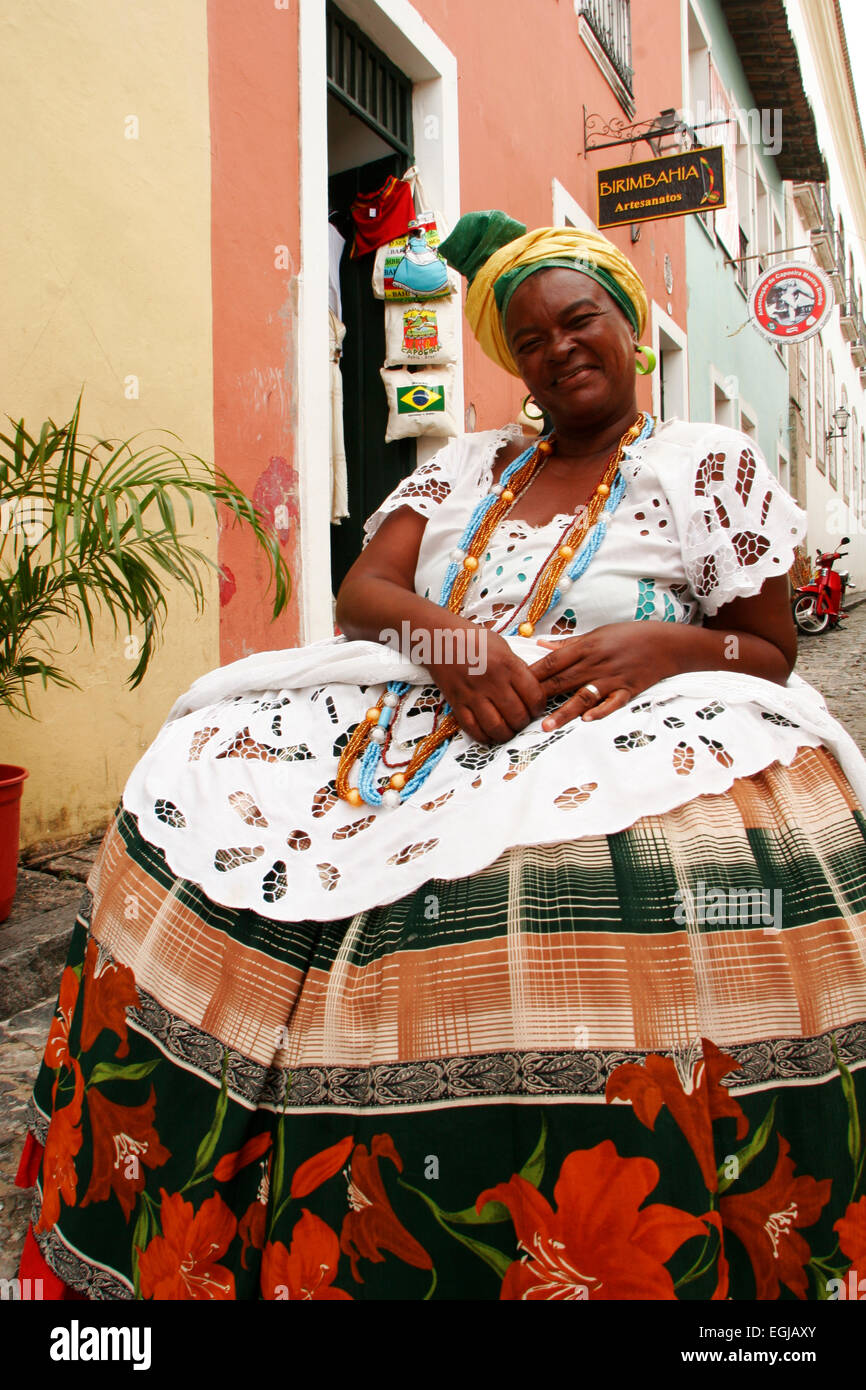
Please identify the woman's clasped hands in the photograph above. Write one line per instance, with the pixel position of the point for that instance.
(600, 672)
(603, 670)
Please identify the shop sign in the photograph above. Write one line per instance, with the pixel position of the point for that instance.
(667, 187)
(791, 302)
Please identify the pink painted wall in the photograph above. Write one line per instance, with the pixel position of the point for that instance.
(524, 77)
(254, 212)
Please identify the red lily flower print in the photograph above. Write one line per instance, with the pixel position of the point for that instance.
(109, 990)
(124, 1144)
(57, 1052)
(231, 1164)
(320, 1168)
(766, 1222)
(62, 1143)
(852, 1238)
(371, 1225)
(693, 1106)
(252, 1227)
(598, 1243)
(182, 1263)
(308, 1270)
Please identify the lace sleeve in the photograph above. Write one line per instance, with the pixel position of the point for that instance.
(741, 527)
(422, 490)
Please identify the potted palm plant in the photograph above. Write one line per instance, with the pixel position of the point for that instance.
(90, 526)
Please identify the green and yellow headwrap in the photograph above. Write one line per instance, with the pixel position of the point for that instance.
(496, 254)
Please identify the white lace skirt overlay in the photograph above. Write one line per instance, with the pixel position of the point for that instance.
(238, 787)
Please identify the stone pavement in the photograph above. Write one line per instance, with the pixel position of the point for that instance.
(835, 663)
(22, 1040)
(34, 941)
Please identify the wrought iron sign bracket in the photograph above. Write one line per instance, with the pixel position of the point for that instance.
(652, 130)
(765, 255)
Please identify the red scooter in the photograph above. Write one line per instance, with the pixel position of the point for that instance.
(818, 604)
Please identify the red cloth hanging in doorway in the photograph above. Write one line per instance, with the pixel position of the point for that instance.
(381, 216)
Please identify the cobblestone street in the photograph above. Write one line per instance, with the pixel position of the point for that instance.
(835, 663)
(33, 945)
(22, 1040)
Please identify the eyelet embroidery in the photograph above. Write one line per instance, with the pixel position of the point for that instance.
(247, 809)
(199, 739)
(743, 525)
(226, 859)
(411, 852)
(274, 883)
(572, 797)
(683, 759)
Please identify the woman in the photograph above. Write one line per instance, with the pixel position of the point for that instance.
(523, 967)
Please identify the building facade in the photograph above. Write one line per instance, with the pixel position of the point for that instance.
(737, 377)
(828, 373)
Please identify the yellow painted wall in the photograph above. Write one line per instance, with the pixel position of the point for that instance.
(105, 264)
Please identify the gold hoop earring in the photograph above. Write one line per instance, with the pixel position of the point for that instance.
(644, 369)
(526, 400)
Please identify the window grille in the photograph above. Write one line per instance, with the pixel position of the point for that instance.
(367, 82)
(610, 21)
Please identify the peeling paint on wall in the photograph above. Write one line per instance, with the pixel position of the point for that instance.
(276, 494)
(228, 586)
(264, 391)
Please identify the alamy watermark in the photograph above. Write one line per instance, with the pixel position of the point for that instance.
(851, 1287)
(725, 907)
(28, 517)
(439, 646)
(21, 1290)
(77, 1343)
(763, 125)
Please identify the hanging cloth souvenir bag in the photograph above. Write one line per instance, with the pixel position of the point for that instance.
(409, 267)
(421, 333)
(420, 402)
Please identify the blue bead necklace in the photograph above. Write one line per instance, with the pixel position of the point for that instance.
(395, 690)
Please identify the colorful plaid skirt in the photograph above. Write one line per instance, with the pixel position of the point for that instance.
(623, 1067)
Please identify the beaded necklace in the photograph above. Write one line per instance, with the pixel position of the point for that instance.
(567, 561)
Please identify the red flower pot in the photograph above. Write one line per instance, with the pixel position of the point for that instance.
(11, 783)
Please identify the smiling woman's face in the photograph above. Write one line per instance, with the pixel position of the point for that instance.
(573, 346)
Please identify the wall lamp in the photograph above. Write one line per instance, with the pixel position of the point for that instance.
(841, 416)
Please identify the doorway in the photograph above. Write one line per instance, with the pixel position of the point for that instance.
(369, 110)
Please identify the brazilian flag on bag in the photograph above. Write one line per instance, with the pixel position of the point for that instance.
(420, 400)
